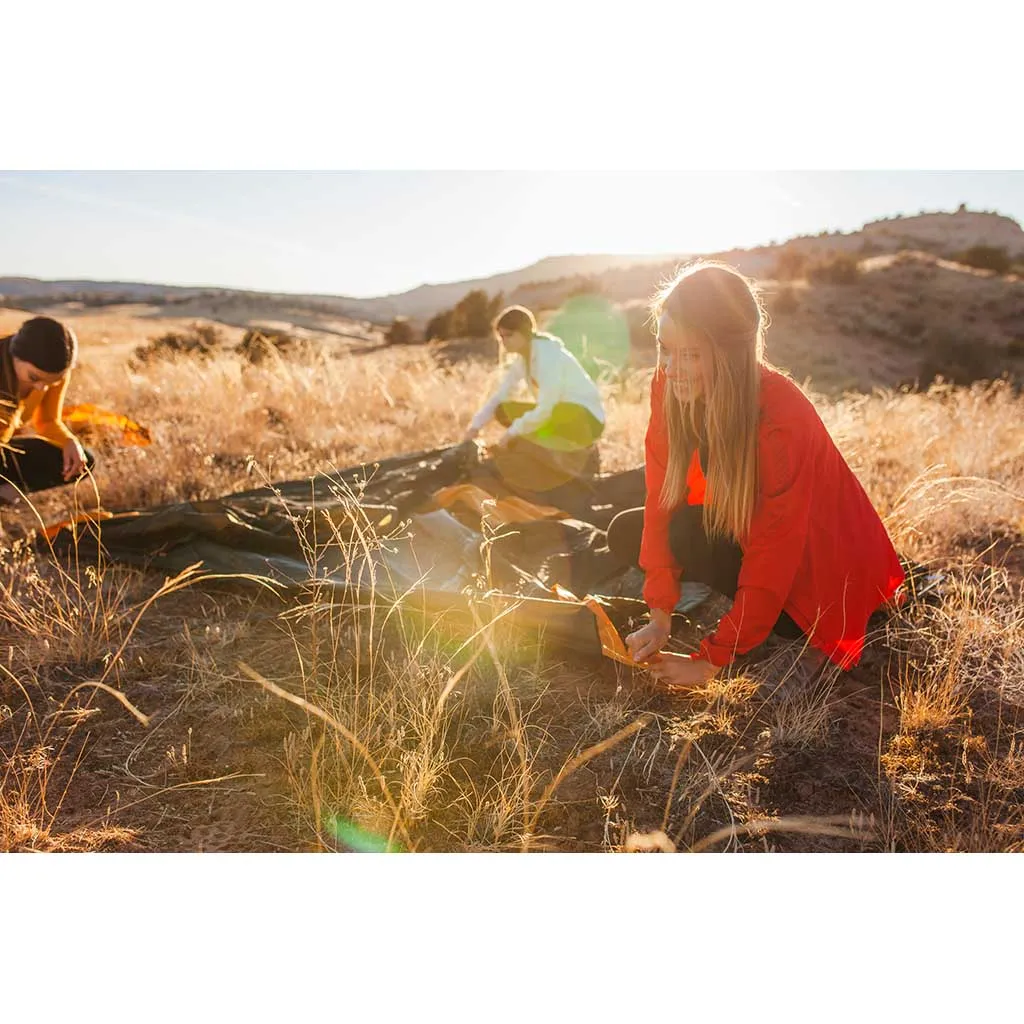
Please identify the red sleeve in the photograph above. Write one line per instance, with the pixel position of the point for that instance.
(661, 582)
(774, 548)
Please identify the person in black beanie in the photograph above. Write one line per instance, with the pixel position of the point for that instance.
(37, 450)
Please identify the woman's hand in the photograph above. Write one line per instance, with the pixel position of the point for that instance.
(499, 446)
(74, 459)
(682, 671)
(647, 641)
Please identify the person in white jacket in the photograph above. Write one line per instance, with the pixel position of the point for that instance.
(553, 440)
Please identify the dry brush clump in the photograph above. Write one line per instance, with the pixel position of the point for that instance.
(198, 341)
(834, 268)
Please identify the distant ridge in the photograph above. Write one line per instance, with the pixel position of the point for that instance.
(939, 232)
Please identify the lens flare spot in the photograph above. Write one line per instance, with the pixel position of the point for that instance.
(595, 331)
(357, 839)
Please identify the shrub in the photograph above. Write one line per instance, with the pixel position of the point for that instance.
(789, 265)
(257, 344)
(400, 332)
(913, 326)
(439, 327)
(471, 317)
(785, 301)
(958, 361)
(585, 286)
(986, 257)
(199, 340)
(641, 329)
(835, 268)
(474, 313)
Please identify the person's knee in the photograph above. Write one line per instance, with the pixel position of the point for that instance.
(625, 533)
(508, 412)
(786, 629)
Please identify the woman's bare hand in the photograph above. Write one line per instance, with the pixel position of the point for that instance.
(647, 641)
(681, 671)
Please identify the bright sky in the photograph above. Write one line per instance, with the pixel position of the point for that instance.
(368, 233)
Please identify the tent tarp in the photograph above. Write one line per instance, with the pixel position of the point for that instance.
(375, 533)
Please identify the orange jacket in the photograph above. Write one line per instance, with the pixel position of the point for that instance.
(42, 409)
(816, 547)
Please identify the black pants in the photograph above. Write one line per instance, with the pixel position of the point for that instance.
(32, 464)
(714, 562)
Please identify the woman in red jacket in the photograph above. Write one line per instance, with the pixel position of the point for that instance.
(746, 492)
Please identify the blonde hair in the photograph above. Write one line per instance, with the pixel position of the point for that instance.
(724, 312)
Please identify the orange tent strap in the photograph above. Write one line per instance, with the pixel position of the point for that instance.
(502, 510)
(94, 516)
(612, 644)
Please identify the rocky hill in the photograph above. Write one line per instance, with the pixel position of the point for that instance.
(622, 278)
(879, 306)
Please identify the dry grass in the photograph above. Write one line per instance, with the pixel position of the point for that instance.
(383, 728)
(68, 631)
(942, 465)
